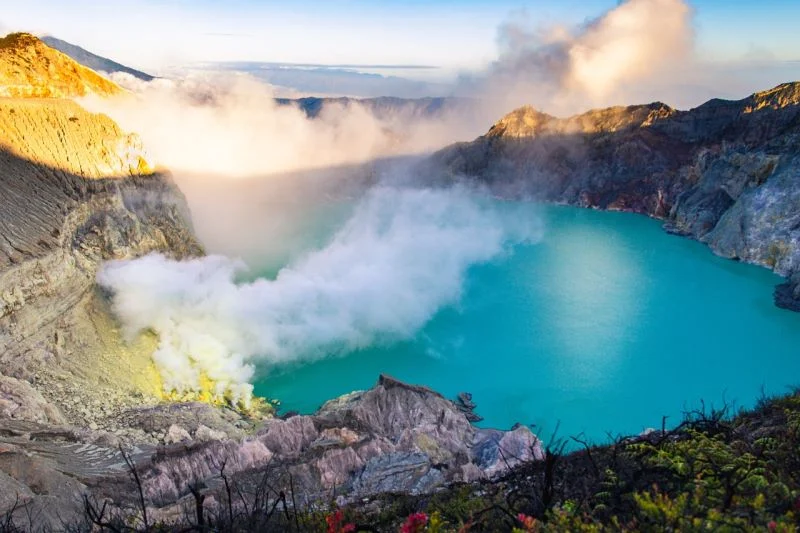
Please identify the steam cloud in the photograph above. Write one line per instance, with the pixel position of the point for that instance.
(603, 62)
(400, 258)
(232, 126)
(404, 253)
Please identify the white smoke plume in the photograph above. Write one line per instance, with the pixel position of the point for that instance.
(399, 259)
(605, 61)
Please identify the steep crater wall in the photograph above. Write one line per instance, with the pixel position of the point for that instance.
(76, 190)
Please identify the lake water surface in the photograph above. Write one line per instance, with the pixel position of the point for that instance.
(604, 326)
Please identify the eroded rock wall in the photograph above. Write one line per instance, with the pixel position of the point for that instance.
(74, 191)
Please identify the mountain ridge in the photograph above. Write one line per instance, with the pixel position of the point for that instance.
(93, 61)
(527, 121)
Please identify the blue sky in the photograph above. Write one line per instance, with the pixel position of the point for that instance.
(453, 34)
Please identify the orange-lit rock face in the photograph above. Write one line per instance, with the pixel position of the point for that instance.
(62, 135)
(31, 69)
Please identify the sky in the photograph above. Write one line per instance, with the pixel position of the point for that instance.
(153, 34)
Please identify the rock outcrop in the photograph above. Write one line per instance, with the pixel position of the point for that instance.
(726, 173)
(394, 437)
(76, 191)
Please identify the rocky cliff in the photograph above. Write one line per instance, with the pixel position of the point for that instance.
(74, 190)
(393, 438)
(726, 173)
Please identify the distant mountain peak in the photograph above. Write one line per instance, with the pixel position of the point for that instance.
(93, 61)
(526, 121)
(784, 95)
(31, 69)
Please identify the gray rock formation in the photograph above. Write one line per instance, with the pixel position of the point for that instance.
(75, 190)
(725, 173)
(392, 438)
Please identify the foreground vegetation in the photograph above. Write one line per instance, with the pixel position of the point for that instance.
(716, 471)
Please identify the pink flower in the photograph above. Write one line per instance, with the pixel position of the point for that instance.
(414, 523)
(772, 525)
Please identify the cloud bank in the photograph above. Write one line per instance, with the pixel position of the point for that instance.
(230, 125)
(602, 62)
(397, 261)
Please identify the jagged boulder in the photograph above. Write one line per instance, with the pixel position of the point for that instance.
(20, 401)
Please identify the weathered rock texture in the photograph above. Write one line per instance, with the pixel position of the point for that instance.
(726, 173)
(30, 68)
(392, 438)
(74, 191)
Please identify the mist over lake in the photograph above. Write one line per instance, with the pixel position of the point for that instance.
(602, 327)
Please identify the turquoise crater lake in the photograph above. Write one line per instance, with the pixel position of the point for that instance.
(604, 326)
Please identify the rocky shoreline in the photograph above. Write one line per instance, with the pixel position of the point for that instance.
(724, 173)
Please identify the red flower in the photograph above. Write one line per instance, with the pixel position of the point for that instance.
(335, 525)
(772, 525)
(528, 522)
(414, 523)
